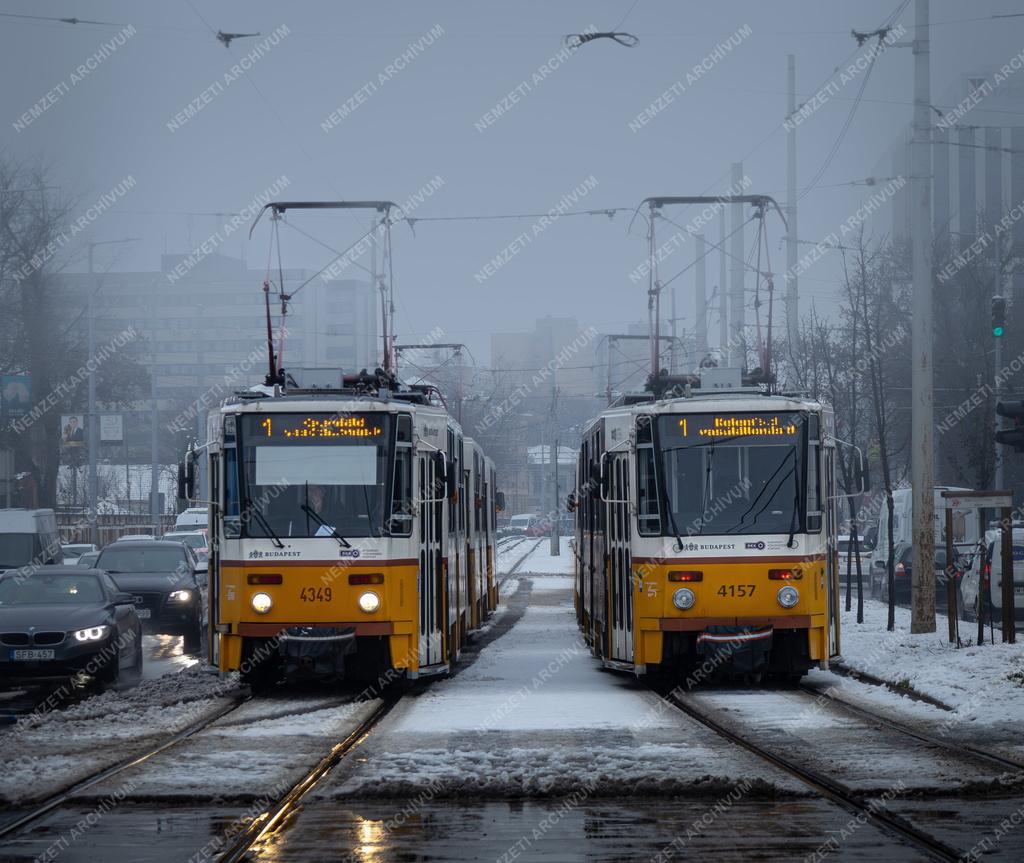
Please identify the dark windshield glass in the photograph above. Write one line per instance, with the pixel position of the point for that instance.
(16, 549)
(733, 473)
(51, 588)
(128, 559)
(192, 540)
(297, 467)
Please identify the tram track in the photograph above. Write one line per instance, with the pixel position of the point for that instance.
(980, 754)
(55, 801)
(288, 804)
(837, 792)
(515, 567)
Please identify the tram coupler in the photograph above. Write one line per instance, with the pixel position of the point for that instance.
(315, 652)
(738, 649)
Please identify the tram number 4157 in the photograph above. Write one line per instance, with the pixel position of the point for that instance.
(736, 590)
(315, 594)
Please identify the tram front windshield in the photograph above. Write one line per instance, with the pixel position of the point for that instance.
(315, 475)
(734, 473)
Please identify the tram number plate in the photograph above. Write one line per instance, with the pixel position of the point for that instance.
(736, 590)
(315, 594)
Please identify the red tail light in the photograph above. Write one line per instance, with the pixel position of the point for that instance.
(687, 575)
(785, 574)
(265, 578)
(901, 569)
(367, 578)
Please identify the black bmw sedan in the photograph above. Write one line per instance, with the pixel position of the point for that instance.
(61, 621)
(166, 581)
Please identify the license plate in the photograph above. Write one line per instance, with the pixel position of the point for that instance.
(31, 655)
(143, 613)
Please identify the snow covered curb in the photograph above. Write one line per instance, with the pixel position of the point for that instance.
(51, 751)
(983, 682)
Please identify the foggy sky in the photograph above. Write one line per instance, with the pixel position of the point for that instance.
(420, 124)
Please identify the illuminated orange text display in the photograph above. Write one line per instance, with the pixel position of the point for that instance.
(350, 426)
(738, 426)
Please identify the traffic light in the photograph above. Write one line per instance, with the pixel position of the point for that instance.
(1012, 436)
(998, 316)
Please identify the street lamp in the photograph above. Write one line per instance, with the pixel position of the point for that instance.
(92, 418)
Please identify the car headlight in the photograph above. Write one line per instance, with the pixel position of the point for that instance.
(684, 598)
(788, 596)
(369, 602)
(261, 603)
(93, 633)
(181, 596)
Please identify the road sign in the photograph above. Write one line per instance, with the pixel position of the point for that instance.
(111, 428)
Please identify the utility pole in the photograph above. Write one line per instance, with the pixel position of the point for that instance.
(723, 306)
(922, 384)
(672, 355)
(702, 299)
(998, 360)
(555, 539)
(92, 420)
(737, 300)
(792, 288)
(154, 449)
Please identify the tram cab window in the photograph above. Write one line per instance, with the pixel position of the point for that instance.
(733, 474)
(400, 523)
(648, 503)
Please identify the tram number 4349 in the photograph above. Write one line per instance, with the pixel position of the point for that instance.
(736, 590)
(315, 594)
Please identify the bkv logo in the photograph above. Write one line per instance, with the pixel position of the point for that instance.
(348, 552)
(757, 546)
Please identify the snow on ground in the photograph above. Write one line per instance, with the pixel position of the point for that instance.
(982, 683)
(48, 751)
(509, 554)
(534, 715)
(266, 744)
(542, 561)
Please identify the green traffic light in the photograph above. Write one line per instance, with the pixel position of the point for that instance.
(997, 331)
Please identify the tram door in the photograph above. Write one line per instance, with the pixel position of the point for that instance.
(431, 570)
(619, 565)
(831, 550)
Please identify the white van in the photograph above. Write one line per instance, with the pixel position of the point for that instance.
(971, 584)
(966, 533)
(193, 518)
(27, 537)
(522, 523)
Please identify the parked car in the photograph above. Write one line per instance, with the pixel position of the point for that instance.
(991, 568)
(192, 518)
(73, 551)
(88, 559)
(194, 539)
(844, 547)
(523, 522)
(61, 621)
(27, 537)
(903, 565)
(167, 583)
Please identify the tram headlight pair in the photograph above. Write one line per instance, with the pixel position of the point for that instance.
(684, 598)
(788, 596)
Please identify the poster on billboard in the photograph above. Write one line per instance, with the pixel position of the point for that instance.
(15, 395)
(72, 430)
(111, 428)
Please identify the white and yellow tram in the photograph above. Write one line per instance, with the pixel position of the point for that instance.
(705, 535)
(353, 535)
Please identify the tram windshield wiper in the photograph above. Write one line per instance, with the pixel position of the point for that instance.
(249, 508)
(312, 513)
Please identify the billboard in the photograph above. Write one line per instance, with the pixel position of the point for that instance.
(111, 428)
(15, 395)
(72, 430)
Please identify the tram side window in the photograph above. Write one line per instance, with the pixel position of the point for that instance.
(813, 493)
(400, 523)
(232, 522)
(648, 505)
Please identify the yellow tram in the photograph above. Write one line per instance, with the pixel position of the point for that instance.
(705, 535)
(353, 533)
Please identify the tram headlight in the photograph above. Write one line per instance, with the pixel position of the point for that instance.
(261, 603)
(684, 598)
(369, 602)
(788, 596)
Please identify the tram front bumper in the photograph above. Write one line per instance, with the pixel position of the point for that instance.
(315, 652)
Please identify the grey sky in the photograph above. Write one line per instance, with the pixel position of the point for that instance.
(420, 124)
